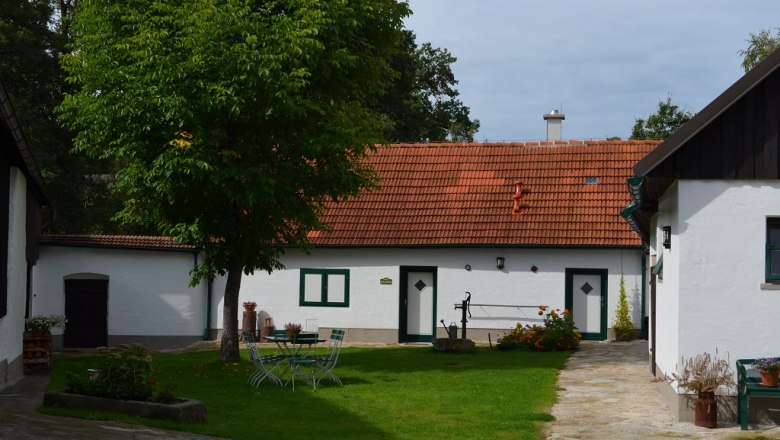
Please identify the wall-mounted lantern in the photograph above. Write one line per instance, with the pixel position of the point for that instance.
(667, 236)
(500, 263)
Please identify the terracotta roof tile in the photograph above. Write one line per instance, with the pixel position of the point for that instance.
(455, 194)
(115, 241)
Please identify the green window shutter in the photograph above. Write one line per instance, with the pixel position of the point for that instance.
(773, 249)
(324, 288)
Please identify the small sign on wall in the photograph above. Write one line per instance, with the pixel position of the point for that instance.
(386, 281)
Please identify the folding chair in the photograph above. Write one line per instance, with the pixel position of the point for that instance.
(323, 366)
(313, 368)
(265, 365)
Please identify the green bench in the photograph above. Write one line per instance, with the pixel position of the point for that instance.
(749, 385)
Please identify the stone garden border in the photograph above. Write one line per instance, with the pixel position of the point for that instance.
(186, 410)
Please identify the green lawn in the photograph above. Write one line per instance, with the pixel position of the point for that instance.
(388, 393)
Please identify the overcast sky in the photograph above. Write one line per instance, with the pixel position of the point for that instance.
(604, 63)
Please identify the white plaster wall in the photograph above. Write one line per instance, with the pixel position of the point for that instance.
(722, 237)
(148, 291)
(667, 298)
(375, 306)
(12, 325)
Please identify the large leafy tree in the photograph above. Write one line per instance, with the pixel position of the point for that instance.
(760, 45)
(661, 124)
(235, 120)
(423, 103)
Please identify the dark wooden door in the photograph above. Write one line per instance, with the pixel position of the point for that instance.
(86, 307)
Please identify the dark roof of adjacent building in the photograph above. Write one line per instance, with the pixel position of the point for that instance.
(463, 194)
(734, 137)
(116, 242)
(20, 154)
(756, 91)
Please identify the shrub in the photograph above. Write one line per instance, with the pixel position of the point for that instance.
(557, 334)
(623, 327)
(124, 373)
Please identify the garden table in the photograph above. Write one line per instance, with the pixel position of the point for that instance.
(293, 351)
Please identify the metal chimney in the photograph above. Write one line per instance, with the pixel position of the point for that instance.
(554, 125)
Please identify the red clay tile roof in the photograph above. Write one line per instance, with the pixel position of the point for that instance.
(115, 241)
(462, 195)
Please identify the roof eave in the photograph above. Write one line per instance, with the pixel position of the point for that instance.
(12, 124)
(708, 114)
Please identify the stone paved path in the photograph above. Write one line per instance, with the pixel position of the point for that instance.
(607, 392)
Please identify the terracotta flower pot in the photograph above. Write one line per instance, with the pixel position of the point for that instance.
(769, 377)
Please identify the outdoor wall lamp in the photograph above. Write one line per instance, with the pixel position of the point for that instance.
(667, 236)
(500, 263)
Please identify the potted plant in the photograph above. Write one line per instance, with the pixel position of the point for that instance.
(292, 329)
(770, 370)
(40, 326)
(623, 327)
(249, 306)
(703, 375)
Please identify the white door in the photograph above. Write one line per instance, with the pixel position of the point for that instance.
(586, 292)
(419, 310)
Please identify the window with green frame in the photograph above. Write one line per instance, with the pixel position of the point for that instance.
(324, 287)
(773, 249)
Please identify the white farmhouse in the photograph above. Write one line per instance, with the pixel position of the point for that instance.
(707, 201)
(515, 225)
(22, 194)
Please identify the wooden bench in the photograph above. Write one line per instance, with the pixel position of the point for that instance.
(749, 385)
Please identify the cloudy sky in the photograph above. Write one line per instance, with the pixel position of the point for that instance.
(604, 63)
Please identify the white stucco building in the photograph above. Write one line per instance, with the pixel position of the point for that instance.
(707, 201)
(22, 194)
(516, 225)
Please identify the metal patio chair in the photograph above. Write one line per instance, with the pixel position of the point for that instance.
(265, 365)
(313, 368)
(323, 366)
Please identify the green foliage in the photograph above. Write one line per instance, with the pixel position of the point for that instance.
(760, 45)
(623, 326)
(235, 121)
(380, 399)
(123, 372)
(41, 322)
(662, 124)
(557, 333)
(423, 104)
(33, 35)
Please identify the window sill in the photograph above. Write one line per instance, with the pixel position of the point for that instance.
(770, 286)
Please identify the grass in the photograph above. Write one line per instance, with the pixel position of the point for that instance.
(388, 393)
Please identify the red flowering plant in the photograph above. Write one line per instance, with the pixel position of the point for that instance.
(557, 333)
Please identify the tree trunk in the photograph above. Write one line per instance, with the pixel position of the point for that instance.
(229, 344)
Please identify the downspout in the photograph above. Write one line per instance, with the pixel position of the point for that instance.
(645, 328)
(206, 329)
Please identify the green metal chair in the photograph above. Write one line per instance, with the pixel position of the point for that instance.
(323, 366)
(265, 365)
(313, 368)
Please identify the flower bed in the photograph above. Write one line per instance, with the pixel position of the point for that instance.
(184, 410)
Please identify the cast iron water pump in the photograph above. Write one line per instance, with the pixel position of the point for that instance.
(465, 307)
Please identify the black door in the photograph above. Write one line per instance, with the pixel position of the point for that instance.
(86, 307)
